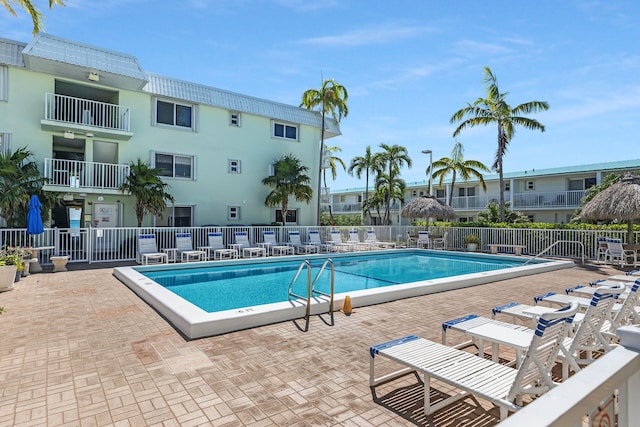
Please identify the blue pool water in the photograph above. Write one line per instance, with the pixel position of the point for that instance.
(226, 287)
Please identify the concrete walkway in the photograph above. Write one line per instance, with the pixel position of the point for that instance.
(78, 348)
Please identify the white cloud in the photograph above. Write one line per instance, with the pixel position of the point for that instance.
(367, 36)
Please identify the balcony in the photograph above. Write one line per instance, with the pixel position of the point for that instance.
(84, 116)
(347, 208)
(75, 176)
(551, 200)
(548, 200)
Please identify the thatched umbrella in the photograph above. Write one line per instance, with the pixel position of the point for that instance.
(427, 207)
(621, 202)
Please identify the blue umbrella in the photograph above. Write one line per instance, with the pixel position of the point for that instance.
(34, 219)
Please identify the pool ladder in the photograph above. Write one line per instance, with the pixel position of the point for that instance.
(311, 290)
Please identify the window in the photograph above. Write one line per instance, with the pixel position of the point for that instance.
(530, 185)
(440, 194)
(466, 191)
(4, 83)
(292, 216)
(174, 166)
(5, 142)
(234, 166)
(575, 184)
(233, 213)
(589, 182)
(421, 193)
(414, 193)
(507, 185)
(359, 198)
(234, 119)
(173, 114)
(176, 216)
(281, 130)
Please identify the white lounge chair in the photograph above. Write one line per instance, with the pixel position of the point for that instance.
(423, 240)
(501, 385)
(216, 248)
(336, 241)
(441, 242)
(184, 249)
(296, 242)
(602, 249)
(589, 336)
(314, 239)
(148, 250)
(594, 333)
(354, 241)
(372, 239)
(616, 254)
(245, 248)
(273, 246)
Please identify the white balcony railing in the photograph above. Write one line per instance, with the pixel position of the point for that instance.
(89, 175)
(520, 201)
(79, 111)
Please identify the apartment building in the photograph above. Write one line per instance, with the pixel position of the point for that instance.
(544, 195)
(87, 112)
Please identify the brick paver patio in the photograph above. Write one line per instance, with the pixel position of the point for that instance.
(80, 349)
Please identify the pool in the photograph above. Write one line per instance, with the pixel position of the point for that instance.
(209, 298)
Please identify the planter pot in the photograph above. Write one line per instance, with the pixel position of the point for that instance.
(472, 247)
(7, 277)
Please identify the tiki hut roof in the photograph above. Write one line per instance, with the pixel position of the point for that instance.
(620, 201)
(427, 207)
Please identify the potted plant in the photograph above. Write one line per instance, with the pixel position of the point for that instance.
(24, 254)
(472, 241)
(8, 270)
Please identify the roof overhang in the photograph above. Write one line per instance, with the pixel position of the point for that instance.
(77, 61)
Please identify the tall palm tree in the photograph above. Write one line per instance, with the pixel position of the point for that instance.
(19, 179)
(391, 159)
(367, 164)
(150, 191)
(36, 16)
(456, 164)
(390, 189)
(331, 163)
(289, 180)
(494, 110)
(331, 98)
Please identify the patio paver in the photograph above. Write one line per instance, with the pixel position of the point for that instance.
(79, 348)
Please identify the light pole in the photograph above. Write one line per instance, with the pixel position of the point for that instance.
(430, 153)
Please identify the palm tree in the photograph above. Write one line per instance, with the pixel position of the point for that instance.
(333, 163)
(332, 99)
(150, 191)
(289, 179)
(367, 164)
(457, 165)
(19, 179)
(390, 189)
(391, 159)
(28, 5)
(494, 109)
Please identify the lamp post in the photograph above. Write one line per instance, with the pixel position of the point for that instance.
(430, 153)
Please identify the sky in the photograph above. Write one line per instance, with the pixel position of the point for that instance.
(408, 66)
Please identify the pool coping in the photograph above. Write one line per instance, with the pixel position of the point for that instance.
(193, 322)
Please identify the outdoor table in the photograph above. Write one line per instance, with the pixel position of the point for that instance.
(265, 246)
(496, 335)
(171, 254)
(225, 253)
(34, 266)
